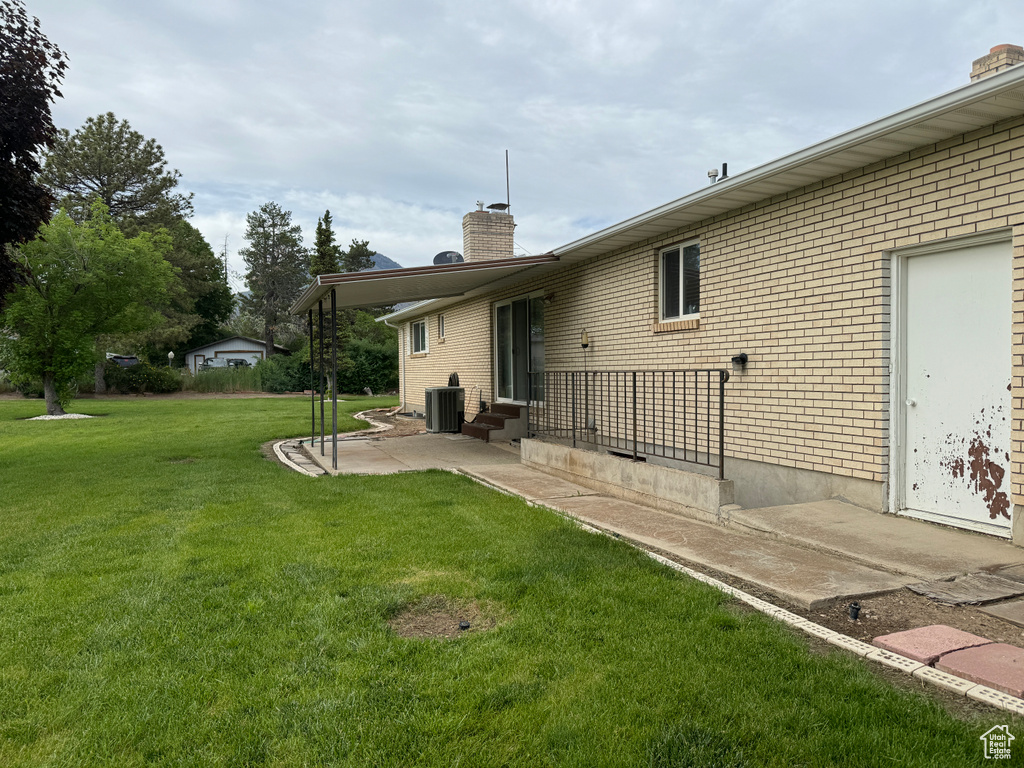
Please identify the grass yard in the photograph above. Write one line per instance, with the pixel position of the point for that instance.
(170, 597)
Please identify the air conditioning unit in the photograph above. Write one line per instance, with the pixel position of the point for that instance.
(446, 408)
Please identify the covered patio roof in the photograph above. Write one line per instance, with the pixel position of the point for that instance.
(393, 286)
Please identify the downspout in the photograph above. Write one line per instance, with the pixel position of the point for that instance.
(401, 359)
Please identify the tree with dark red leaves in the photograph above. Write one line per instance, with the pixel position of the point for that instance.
(31, 69)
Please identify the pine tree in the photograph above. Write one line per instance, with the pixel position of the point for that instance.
(105, 158)
(278, 267)
(358, 257)
(326, 256)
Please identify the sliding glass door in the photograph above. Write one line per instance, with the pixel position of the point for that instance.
(518, 347)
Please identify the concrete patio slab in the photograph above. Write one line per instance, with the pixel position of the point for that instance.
(928, 644)
(532, 486)
(889, 542)
(996, 665)
(1012, 611)
(381, 456)
(801, 576)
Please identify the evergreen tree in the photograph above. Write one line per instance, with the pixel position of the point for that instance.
(105, 158)
(31, 68)
(278, 267)
(358, 257)
(326, 256)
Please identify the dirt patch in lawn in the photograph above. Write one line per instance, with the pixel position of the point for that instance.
(439, 616)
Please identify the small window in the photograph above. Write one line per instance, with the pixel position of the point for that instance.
(419, 336)
(680, 282)
(440, 326)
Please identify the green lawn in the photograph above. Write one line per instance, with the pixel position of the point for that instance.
(170, 597)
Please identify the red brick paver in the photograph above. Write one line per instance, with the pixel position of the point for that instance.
(996, 665)
(927, 644)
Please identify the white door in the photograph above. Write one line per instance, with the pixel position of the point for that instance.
(956, 394)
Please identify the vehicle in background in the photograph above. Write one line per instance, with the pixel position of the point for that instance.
(212, 363)
(238, 362)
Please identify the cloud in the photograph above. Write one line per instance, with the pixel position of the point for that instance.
(397, 115)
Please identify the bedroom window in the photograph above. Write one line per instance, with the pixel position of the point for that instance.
(680, 282)
(419, 336)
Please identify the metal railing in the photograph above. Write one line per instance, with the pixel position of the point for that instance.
(678, 415)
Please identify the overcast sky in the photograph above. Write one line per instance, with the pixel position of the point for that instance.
(396, 115)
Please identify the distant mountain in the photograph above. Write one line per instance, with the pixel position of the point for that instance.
(380, 261)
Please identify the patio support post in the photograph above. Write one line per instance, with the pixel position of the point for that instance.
(312, 385)
(334, 378)
(323, 374)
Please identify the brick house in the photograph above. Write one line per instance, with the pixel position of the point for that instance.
(863, 297)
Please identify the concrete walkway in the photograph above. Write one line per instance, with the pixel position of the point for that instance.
(808, 554)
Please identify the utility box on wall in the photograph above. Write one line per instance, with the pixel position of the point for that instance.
(446, 408)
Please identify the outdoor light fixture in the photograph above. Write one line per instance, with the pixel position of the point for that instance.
(854, 610)
(739, 362)
(584, 340)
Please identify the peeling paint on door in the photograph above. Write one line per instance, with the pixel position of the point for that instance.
(956, 368)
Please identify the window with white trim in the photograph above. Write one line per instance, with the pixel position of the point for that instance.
(680, 282)
(418, 330)
(440, 326)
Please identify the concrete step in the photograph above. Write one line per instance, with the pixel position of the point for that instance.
(797, 574)
(491, 419)
(887, 542)
(477, 430)
(511, 410)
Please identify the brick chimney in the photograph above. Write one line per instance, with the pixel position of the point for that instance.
(487, 235)
(999, 58)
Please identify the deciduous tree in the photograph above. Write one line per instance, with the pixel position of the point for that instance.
(81, 281)
(31, 69)
(278, 267)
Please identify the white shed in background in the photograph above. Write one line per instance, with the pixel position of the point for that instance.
(236, 347)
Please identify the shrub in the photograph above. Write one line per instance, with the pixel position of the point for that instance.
(283, 373)
(142, 377)
(370, 364)
(223, 380)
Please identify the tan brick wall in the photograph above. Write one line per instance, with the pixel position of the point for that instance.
(465, 350)
(800, 283)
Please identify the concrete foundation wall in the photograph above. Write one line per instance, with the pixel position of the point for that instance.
(758, 484)
(672, 490)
